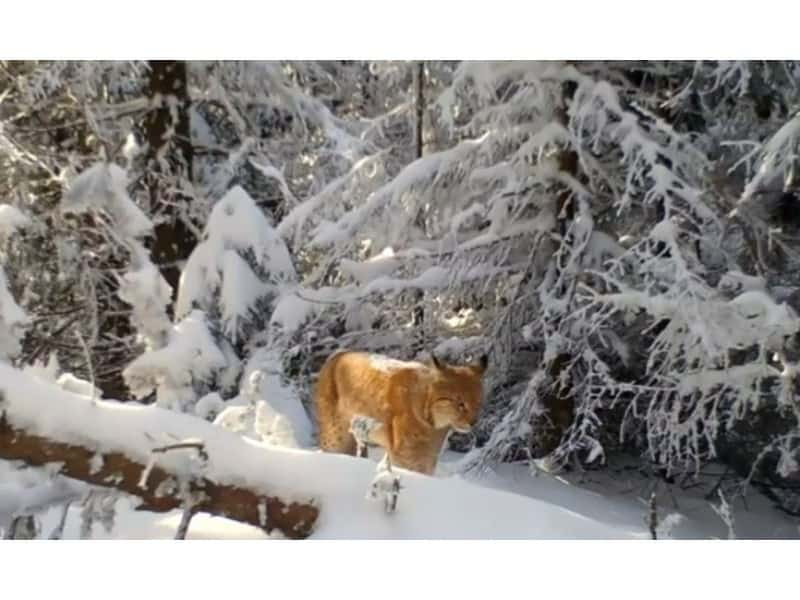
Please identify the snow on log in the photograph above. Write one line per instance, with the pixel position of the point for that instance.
(111, 444)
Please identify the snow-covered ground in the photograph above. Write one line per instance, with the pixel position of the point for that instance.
(507, 503)
(618, 498)
(428, 508)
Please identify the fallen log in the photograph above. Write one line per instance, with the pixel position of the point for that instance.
(105, 444)
(294, 520)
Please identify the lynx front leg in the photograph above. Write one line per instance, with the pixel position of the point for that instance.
(367, 430)
(385, 484)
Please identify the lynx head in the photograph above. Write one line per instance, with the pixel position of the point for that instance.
(455, 394)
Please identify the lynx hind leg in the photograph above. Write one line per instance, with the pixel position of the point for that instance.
(336, 438)
(334, 434)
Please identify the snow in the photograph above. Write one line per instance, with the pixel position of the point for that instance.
(600, 506)
(200, 130)
(600, 247)
(236, 225)
(274, 414)
(11, 221)
(507, 503)
(617, 497)
(291, 225)
(13, 321)
(493, 167)
(189, 355)
(382, 265)
(103, 187)
(755, 304)
(388, 364)
(777, 154)
(337, 482)
(360, 316)
(735, 281)
(20, 493)
(457, 347)
(431, 278)
(76, 385)
(209, 406)
(274, 173)
(419, 173)
(236, 222)
(467, 217)
(241, 288)
(148, 293)
(291, 311)
(237, 417)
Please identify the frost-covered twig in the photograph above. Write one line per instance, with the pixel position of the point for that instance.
(196, 445)
(58, 532)
(183, 526)
(88, 357)
(23, 527)
(146, 473)
(192, 501)
(725, 512)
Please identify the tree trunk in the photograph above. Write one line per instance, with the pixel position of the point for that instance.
(418, 312)
(169, 160)
(419, 80)
(294, 520)
(557, 397)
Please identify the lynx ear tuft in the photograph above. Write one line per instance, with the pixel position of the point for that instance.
(480, 366)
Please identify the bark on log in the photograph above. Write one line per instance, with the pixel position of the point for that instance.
(294, 520)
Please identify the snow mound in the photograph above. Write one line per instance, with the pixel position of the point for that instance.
(189, 355)
(236, 229)
(269, 409)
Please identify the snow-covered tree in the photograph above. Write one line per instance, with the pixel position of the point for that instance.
(58, 120)
(13, 318)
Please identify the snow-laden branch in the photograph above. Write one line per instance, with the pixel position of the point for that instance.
(365, 170)
(418, 175)
(777, 157)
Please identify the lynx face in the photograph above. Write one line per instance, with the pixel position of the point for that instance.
(456, 396)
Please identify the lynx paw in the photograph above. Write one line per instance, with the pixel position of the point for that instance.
(385, 485)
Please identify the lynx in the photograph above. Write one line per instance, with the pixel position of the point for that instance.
(408, 408)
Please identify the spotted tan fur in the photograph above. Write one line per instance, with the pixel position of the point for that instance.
(415, 404)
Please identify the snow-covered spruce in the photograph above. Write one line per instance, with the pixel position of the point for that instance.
(187, 361)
